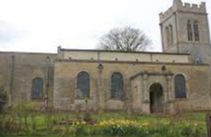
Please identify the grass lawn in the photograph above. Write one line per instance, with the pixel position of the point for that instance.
(105, 125)
(49, 135)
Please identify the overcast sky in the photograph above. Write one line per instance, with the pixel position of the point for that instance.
(43, 25)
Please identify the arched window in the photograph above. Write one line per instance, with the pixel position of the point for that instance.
(189, 30)
(170, 34)
(83, 85)
(167, 36)
(37, 88)
(117, 86)
(196, 30)
(180, 86)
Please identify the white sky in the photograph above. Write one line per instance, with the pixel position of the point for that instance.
(42, 25)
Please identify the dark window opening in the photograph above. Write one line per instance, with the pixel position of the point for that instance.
(37, 88)
(167, 36)
(180, 86)
(117, 86)
(196, 30)
(171, 34)
(189, 30)
(83, 85)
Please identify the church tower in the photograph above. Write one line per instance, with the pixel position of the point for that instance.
(185, 29)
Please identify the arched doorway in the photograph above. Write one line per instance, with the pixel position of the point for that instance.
(156, 98)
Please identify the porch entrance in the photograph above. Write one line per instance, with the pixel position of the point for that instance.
(156, 98)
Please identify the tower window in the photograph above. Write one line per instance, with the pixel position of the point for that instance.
(171, 34)
(196, 30)
(189, 30)
(167, 36)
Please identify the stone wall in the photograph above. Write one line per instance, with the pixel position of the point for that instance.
(19, 69)
(198, 95)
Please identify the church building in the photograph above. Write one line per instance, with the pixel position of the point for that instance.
(175, 80)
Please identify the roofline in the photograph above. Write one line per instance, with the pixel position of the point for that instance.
(20, 52)
(91, 50)
(117, 51)
(129, 62)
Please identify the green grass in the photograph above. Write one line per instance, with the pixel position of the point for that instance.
(182, 125)
(47, 135)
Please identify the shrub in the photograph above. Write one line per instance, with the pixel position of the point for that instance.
(3, 98)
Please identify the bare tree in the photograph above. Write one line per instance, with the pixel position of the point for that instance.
(124, 39)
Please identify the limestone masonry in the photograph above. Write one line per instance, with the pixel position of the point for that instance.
(178, 79)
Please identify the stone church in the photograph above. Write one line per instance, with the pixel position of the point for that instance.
(178, 79)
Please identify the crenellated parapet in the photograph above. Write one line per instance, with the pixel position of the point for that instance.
(183, 7)
(164, 15)
(187, 7)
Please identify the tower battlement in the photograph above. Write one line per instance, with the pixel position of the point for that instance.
(179, 6)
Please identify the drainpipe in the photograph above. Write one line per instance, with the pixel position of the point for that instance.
(46, 97)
